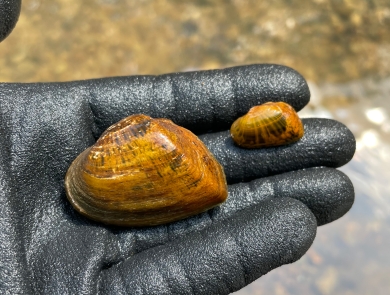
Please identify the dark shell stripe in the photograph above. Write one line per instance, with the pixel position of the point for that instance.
(268, 117)
(263, 127)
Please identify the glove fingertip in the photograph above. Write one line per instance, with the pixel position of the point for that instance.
(261, 83)
(9, 15)
(327, 192)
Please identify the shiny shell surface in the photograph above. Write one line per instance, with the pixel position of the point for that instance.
(143, 172)
(266, 125)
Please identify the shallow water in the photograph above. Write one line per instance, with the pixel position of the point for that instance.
(341, 47)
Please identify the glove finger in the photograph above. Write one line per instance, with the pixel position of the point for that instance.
(200, 101)
(325, 143)
(9, 14)
(327, 192)
(221, 258)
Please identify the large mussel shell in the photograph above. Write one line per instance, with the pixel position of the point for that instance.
(144, 172)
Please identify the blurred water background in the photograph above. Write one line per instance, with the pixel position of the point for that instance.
(342, 47)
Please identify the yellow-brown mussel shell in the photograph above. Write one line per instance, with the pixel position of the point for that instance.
(144, 172)
(266, 125)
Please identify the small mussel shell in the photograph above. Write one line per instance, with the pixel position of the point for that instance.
(266, 125)
(144, 172)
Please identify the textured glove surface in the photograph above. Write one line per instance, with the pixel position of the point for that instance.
(277, 196)
(9, 14)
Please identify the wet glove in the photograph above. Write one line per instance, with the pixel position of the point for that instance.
(277, 196)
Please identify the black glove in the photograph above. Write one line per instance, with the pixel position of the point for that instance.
(9, 14)
(48, 248)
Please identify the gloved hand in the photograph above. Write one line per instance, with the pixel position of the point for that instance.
(277, 196)
(48, 248)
